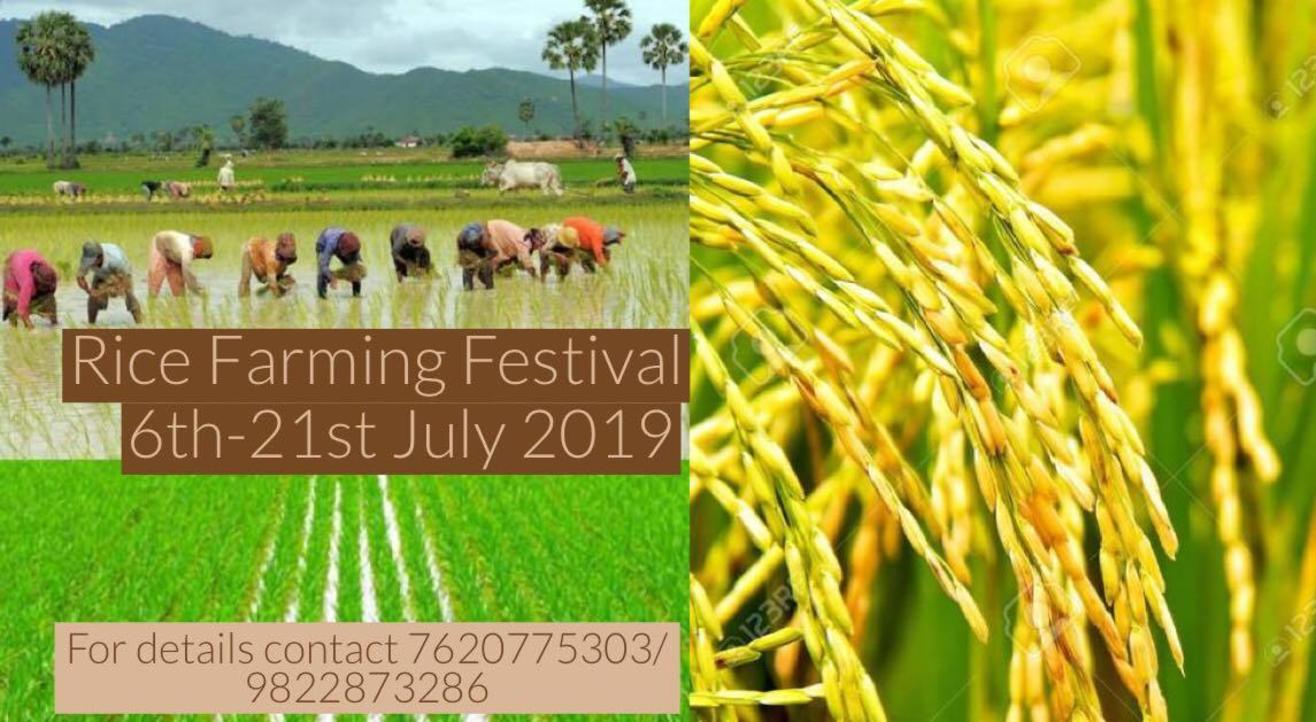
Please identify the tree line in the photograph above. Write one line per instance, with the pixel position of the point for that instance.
(581, 45)
(55, 50)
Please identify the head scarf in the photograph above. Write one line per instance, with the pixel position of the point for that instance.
(471, 234)
(202, 247)
(44, 278)
(348, 245)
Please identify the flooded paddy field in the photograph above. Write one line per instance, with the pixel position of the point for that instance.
(644, 287)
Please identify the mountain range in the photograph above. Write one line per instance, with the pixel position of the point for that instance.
(158, 72)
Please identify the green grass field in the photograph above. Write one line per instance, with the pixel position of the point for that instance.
(80, 543)
(114, 178)
(83, 543)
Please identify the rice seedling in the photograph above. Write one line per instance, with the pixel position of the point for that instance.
(325, 548)
(903, 352)
(646, 287)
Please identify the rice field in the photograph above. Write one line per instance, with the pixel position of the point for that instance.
(113, 178)
(644, 287)
(80, 543)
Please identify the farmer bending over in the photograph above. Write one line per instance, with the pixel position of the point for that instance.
(150, 188)
(561, 244)
(513, 244)
(594, 240)
(269, 263)
(410, 256)
(488, 247)
(29, 288)
(111, 277)
(472, 254)
(346, 247)
(172, 253)
(178, 189)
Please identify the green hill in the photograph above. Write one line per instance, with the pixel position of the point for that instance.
(158, 72)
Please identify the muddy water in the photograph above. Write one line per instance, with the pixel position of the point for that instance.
(516, 301)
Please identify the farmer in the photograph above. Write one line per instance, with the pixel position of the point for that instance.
(150, 188)
(178, 190)
(410, 256)
(172, 254)
(625, 173)
(561, 244)
(269, 263)
(227, 182)
(346, 247)
(29, 288)
(111, 277)
(593, 241)
(472, 253)
(487, 247)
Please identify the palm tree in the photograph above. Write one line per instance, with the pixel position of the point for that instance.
(572, 46)
(664, 46)
(78, 53)
(526, 112)
(239, 125)
(205, 139)
(55, 49)
(38, 58)
(612, 22)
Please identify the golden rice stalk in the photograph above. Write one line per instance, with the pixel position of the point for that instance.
(812, 567)
(900, 281)
(1210, 74)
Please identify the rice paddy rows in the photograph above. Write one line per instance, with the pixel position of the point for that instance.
(324, 548)
(644, 287)
(18, 182)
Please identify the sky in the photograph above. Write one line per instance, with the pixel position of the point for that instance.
(393, 36)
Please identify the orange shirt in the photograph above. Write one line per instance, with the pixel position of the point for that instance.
(591, 236)
(263, 260)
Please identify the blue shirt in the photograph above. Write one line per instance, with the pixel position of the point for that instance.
(326, 246)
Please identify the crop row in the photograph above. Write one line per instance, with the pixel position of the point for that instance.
(441, 175)
(645, 287)
(81, 543)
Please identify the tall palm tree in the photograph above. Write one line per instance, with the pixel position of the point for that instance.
(572, 46)
(612, 22)
(205, 140)
(62, 72)
(78, 53)
(38, 58)
(664, 46)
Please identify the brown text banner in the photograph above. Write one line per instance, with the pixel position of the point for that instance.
(388, 365)
(490, 668)
(401, 438)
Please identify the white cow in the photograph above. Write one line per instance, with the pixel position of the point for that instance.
(513, 175)
(69, 189)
